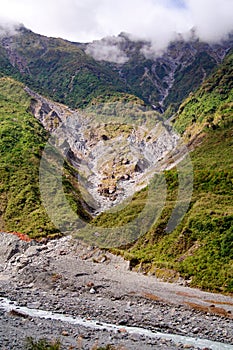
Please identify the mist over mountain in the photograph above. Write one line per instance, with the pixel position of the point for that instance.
(164, 77)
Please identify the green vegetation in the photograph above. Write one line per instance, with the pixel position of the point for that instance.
(63, 71)
(42, 344)
(200, 248)
(6, 66)
(211, 106)
(22, 140)
(189, 79)
(139, 83)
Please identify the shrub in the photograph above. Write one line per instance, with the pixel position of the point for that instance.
(42, 344)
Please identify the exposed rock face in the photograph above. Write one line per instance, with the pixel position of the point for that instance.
(49, 113)
(114, 159)
(14, 57)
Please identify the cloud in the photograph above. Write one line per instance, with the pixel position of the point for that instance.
(213, 19)
(8, 27)
(155, 20)
(108, 49)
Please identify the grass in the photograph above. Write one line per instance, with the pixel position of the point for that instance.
(201, 247)
(211, 106)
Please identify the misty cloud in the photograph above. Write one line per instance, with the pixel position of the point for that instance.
(212, 19)
(8, 27)
(154, 20)
(108, 49)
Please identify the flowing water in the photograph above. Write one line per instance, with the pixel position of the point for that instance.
(8, 305)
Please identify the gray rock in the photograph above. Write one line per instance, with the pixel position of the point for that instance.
(10, 246)
(32, 251)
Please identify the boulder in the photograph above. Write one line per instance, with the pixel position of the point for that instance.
(10, 245)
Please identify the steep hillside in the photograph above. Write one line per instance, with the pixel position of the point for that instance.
(200, 248)
(211, 106)
(111, 153)
(22, 140)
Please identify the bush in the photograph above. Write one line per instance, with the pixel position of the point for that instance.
(42, 344)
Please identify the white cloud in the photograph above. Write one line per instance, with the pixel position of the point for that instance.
(108, 49)
(8, 27)
(213, 19)
(157, 20)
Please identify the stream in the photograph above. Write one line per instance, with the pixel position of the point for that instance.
(8, 305)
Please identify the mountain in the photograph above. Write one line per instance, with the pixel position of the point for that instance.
(116, 143)
(211, 106)
(74, 73)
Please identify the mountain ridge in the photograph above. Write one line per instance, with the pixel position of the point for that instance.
(160, 80)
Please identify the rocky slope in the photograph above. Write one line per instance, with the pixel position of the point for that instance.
(111, 153)
(115, 155)
(203, 243)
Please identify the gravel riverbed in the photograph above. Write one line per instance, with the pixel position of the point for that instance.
(66, 277)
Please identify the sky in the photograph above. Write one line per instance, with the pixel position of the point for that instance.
(88, 20)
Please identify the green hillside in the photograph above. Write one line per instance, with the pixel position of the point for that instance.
(6, 67)
(190, 78)
(211, 106)
(201, 247)
(22, 140)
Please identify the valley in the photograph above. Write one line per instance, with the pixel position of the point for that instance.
(116, 211)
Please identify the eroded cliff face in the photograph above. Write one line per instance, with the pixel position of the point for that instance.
(114, 158)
